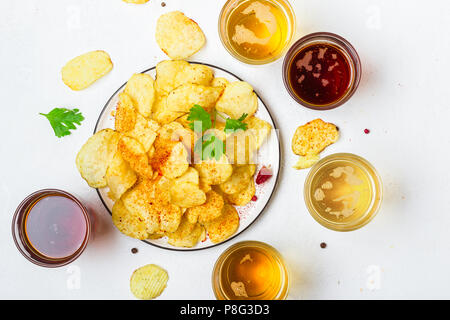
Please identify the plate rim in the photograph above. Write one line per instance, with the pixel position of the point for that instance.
(276, 177)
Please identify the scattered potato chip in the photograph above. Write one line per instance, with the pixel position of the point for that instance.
(260, 129)
(208, 211)
(238, 98)
(136, 1)
(214, 172)
(223, 226)
(178, 36)
(148, 282)
(244, 196)
(82, 71)
(191, 176)
(125, 116)
(170, 158)
(220, 82)
(238, 181)
(307, 161)
(119, 177)
(187, 195)
(134, 153)
(131, 223)
(95, 155)
(141, 90)
(187, 235)
(166, 73)
(195, 74)
(313, 137)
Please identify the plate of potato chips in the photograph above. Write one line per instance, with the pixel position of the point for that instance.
(184, 156)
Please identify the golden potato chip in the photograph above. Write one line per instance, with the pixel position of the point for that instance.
(220, 82)
(195, 74)
(119, 177)
(238, 98)
(191, 176)
(95, 155)
(178, 36)
(134, 153)
(184, 97)
(186, 195)
(144, 131)
(136, 1)
(214, 172)
(175, 131)
(159, 104)
(187, 235)
(148, 282)
(223, 226)
(313, 137)
(205, 187)
(208, 211)
(141, 90)
(166, 72)
(238, 181)
(155, 236)
(241, 147)
(82, 71)
(130, 223)
(170, 158)
(242, 197)
(307, 161)
(125, 116)
(260, 129)
(170, 218)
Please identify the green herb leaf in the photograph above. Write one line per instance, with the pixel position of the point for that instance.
(233, 125)
(210, 146)
(63, 120)
(198, 114)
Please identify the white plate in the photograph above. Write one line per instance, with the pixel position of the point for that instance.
(268, 155)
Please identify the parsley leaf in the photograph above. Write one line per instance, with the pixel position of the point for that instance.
(233, 125)
(63, 120)
(199, 117)
(209, 147)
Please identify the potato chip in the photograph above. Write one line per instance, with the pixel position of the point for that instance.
(82, 71)
(119, 177)
(141, 90)
(95, 155)
(191, 176)
(136, 1)
(184, 97)
(125, 116)
(175, 131)
(244, 196)
(307, 161)
(170, 158)
(144, 131)
(214, 172)
(238, 98)
(130, 223)
(223, 226)
(186, 195)
(170, 218)
(195, 74)
(260, 129)
(187, 235)
(238, 181)
(166, 73)
(313, 137)
(241, 147)
(178, 36)
(148, 282)
(220, 82)
(208, 211)
(134, 153)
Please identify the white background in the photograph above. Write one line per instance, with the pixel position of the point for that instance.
(403, 99)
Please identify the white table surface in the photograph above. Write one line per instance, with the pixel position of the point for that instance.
(403, 99)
